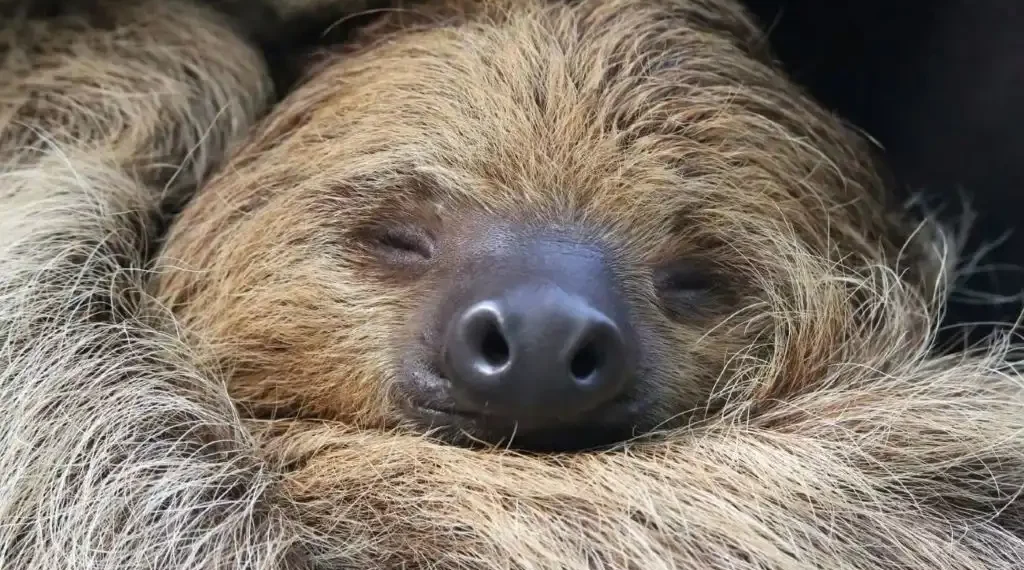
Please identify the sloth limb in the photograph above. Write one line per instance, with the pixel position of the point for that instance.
(119, 452)
(916, 470)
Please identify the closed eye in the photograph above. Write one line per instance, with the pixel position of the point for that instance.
(684, 279)
(401, 244)
(685, 289)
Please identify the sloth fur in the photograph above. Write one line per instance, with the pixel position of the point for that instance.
(119, 449)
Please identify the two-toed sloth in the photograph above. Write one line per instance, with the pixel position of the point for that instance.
(532, 224)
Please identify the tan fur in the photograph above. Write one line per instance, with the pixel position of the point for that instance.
(657, 127)
(839, 444)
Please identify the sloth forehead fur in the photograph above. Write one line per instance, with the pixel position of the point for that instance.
(657, 131)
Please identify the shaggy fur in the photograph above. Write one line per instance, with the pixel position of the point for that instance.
(657, 130)
(845, 446)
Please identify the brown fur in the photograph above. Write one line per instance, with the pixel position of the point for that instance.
(838, 443)
(659, 129)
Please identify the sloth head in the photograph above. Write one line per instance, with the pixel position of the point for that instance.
(555, 225)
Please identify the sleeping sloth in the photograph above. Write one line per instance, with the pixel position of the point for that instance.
(543, 225)
(532, 223)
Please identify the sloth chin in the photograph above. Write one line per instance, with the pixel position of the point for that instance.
(430, 405)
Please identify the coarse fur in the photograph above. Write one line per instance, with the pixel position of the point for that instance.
(675, 142)
(121, 449)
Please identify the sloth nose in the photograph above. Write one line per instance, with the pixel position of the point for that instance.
(538, 352)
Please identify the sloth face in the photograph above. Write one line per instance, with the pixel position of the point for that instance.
(550, 226)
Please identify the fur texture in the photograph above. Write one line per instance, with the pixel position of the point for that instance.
(848, 447)
(658, 131)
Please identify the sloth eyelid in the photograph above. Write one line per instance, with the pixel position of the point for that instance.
(685, 290)
(402, 242)
(683, 278)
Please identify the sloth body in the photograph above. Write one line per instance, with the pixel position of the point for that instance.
(261, 421)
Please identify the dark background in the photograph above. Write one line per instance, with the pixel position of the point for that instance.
(940, 84)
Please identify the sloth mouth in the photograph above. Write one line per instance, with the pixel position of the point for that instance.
(478, 430)
(429, 407)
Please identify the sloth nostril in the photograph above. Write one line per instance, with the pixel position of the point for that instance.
(585, 363)
(494, 347)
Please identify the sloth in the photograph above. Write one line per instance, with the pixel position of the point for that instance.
(534, 225)
(533, 230)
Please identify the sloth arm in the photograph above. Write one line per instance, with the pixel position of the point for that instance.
(115, 451)
(914, 469)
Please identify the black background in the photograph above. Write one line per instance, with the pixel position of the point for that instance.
(940, 84)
